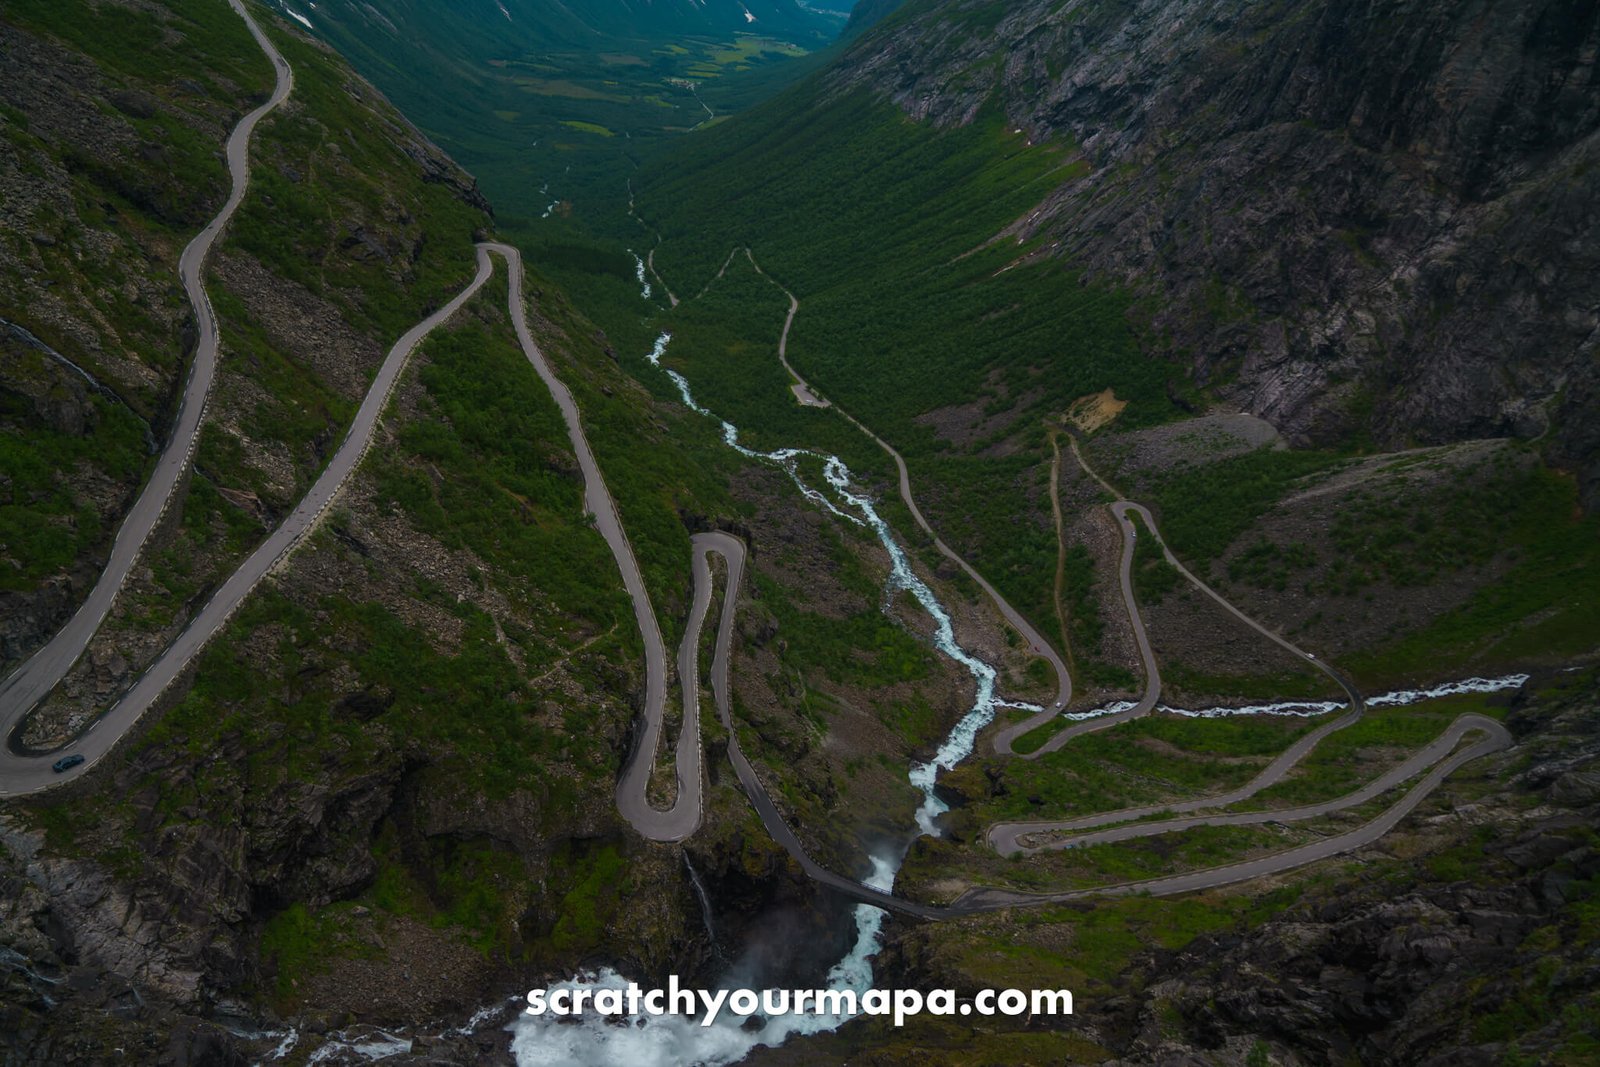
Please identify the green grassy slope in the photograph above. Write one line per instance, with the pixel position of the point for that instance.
(912, 304)
(112, 165)
(453, 625)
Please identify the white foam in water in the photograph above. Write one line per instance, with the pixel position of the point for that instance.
(660, 1041)
(372, 1045)
(287, 1045)
(1450, 689)
(680, 1041)
(1116, 707)
(674, 1041)
(958, 745)
(644, 287)
(287, 1039)
(1312, 708)
(786, 458)
(479, 1017)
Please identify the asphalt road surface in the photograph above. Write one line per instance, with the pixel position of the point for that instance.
(985, 898)
(40, 673)
(1004, 836)
(28, 773)
(25, 773)
(807, 395)
(683, 818)
(1004, 740)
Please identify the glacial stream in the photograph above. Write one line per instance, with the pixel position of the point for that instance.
(1308, 709)
(544, 1042)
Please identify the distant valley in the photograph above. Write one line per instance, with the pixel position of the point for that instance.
(511, 496)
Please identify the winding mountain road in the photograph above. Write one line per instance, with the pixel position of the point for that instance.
(1006, 837)
(981, 899)
(1005, 739)
(683, 818)
(984, 898)
(22, 773)
(1010, 838)
(803, 391)
(43, 671)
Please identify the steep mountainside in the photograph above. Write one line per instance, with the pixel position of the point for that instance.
(114, 122)
(181, 887)
(956, 297)
(1371, 218)
(1029, 244)
(385, 792)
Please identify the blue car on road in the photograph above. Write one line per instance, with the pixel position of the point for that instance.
(66, 763)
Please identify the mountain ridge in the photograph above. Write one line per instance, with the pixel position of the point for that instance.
(1371, 219)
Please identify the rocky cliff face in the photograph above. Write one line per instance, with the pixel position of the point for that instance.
(1367, 218)
(1487, 961)
(1466, 938)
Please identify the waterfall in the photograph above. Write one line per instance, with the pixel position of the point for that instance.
(705, 898)
(676, 1040)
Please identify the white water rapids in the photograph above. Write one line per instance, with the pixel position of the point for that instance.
(638, 273)
(1308, 709)
(958, 745)
(651, 1041)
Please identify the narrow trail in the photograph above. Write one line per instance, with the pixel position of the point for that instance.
(1010, 838)
(1060, 586)
(650, 256)
(27, 337)
(1437, 755)
(1006, 738)
(43, 671)
(694, 91)
(1005, 741)
(1037, 644)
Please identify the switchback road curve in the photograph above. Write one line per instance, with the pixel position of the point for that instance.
(1037, 644)
(43, 670)
(683, 818)
(1010, 838)
(1006, 837)
(22, 773)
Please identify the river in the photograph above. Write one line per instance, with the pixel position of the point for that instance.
(659, 1041)
(544, 1041)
